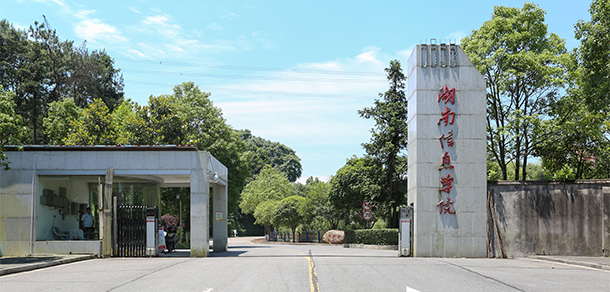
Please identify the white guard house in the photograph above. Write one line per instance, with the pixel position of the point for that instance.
(48, 188)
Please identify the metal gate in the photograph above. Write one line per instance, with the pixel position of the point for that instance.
(130, 234)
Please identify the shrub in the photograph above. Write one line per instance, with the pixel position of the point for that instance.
(372, 236)
(566, 173)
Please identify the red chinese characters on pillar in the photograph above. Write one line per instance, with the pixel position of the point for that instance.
(448, 95)
(446, 184)
(449, 139)
(445, 117)
(446, 161)
(445, 207)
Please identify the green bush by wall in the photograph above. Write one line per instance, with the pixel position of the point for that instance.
(372, 236)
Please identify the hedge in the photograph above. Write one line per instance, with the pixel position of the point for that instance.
(372, 236)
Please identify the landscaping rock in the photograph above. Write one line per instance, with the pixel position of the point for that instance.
(334, 237)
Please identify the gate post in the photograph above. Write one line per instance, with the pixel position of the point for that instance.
(220, 218)
(106, 215)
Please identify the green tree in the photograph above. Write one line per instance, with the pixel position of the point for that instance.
(265, 214)
(92, 75)
(265, 152)
(168, 121)
(594, 56)
(130, 124)
(268, 185)
(93, 128)
(577, 139)
(525, 68)
(58, 122)
(11, 125)
(389, 139)
(287, 213)
(317, 204)
(357, 181)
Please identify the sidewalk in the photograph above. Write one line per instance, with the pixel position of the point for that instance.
(10, 265)
(602, 263)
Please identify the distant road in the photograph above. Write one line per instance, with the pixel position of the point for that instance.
(287, 267)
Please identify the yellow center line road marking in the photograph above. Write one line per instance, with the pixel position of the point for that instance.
(313, 277)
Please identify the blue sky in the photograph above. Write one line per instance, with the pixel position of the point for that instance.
(294, 72)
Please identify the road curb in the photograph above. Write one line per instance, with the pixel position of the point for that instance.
(370, 246)
(34, 266)
(572, 262)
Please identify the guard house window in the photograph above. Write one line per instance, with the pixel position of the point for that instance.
(62, 201)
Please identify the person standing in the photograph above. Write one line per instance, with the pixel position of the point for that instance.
(88, 220)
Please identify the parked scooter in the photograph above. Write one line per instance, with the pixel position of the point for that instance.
(171, 238)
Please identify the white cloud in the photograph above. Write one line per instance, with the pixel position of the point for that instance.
(138, 53)
(228, 14)
(215, 26)
(82, 14)
(267, 44)
(93, 30)
(134, 10)
(157, 19)
(368, 57)
(48, 2)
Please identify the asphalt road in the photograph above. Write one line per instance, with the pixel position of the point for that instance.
(285, 267)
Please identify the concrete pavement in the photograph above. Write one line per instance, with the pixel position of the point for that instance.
(10, 265)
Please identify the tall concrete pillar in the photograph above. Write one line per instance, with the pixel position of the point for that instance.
(447, 152)
(220, 206)
(200, 235)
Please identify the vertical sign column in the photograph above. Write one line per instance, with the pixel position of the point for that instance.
(447, 152)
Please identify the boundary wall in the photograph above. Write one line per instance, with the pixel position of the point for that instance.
(549, 218)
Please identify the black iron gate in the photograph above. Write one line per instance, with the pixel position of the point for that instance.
(130, 233)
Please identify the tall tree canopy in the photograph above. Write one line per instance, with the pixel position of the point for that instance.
(594, 55)
(578, 133)
(278, 155)
(525, 68)
(389, 139)
(11, 125)
(40, 69)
